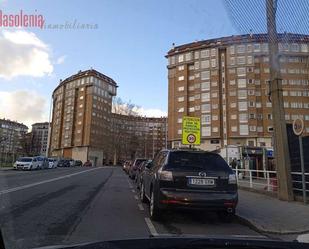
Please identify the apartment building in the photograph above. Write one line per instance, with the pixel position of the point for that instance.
(39, 136)
(12, 134)
(225, 82)
(81, 116)
(136, 136)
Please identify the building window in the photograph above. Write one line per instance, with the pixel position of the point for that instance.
(181, 88)
(287, 116)
(242, 94)
(252, 128)
(243, 117)
(241, 60)
(234, 128)
(241, 71)
(180, 58)
(266, 70)
(251, 104)
(241, 83)
(197, 96)
(257, 47)
(205, 97)
(214, 94)
(213, 62)
(232, 61)
(188, 56)
(259, 129)
(179, 132)
(242, 106)
(215, 129)
(213, 52)
(205, 108)
(232, 82)
(214, 117)
(81, 97)
(249, 60)
(206, 119)
(215, 106)
(206, 131)
(269, 116)
(204, 64)
(191, 98)
(180, 68)
(241, 49)
(233, 105)
(232, 71)
(180, 78)
(191, 77)
(232, 49)
(180, 99)
(214, 83)
(205, 53)
(191, 88)
(205, 75)
(196, 55)
(243, 130)
(232, 93)
(233, 116)
(181, 109)
(191, 109)
(205, 86)
(252, 116)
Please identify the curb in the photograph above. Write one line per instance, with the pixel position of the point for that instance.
(259, 229)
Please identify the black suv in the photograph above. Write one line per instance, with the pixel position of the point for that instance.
(189, 179)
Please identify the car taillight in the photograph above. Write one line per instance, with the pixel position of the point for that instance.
(165, 175)
(232, 179)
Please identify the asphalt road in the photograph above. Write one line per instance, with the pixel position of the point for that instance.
(73, 205)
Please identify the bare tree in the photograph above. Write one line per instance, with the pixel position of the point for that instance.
(120, 141)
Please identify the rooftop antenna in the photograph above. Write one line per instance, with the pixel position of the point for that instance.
(251, 34)
(173, 45)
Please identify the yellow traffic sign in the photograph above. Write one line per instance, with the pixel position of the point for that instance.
(191, 130)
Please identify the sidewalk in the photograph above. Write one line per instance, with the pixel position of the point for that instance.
(268, 214)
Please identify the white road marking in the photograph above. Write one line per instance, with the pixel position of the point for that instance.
(136, 197)
(151, 227)
(141, 207)
(45, 181)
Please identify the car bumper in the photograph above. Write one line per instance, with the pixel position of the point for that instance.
(197, 200)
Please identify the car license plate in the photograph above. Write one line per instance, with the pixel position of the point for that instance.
(199, 181)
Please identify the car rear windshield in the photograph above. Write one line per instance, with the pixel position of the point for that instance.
(25, 159)
(189, 160)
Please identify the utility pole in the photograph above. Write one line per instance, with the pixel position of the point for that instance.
(281, 149)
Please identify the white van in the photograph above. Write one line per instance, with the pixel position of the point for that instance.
(26, 163)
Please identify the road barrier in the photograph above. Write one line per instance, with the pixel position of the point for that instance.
(265, 180)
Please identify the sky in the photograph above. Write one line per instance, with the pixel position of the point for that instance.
(128, 42)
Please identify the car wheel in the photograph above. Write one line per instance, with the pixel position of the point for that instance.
(227, 216)
(142, 193)
(153, 208)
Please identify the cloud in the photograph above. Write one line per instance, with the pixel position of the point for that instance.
(60, 60)
(23, 53)
(23, 106)
(155, 113)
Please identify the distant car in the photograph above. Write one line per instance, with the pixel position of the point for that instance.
(43, 162)
(134, 167)
(140, 172)
(88, 164)
(26, 163)
(64, 163)
(78, 163)
(52, 163)
(72, 162)
(189, 179)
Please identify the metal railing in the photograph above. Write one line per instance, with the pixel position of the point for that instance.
(266, 180)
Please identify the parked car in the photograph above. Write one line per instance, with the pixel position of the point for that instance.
(72, 162)
(78, 163)
(189, 179)
(26, 163)
(134, 167)
(64, 163)
(140, 172)
(52, 163)
(43, 162)
(88, 163)
(126, 166)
